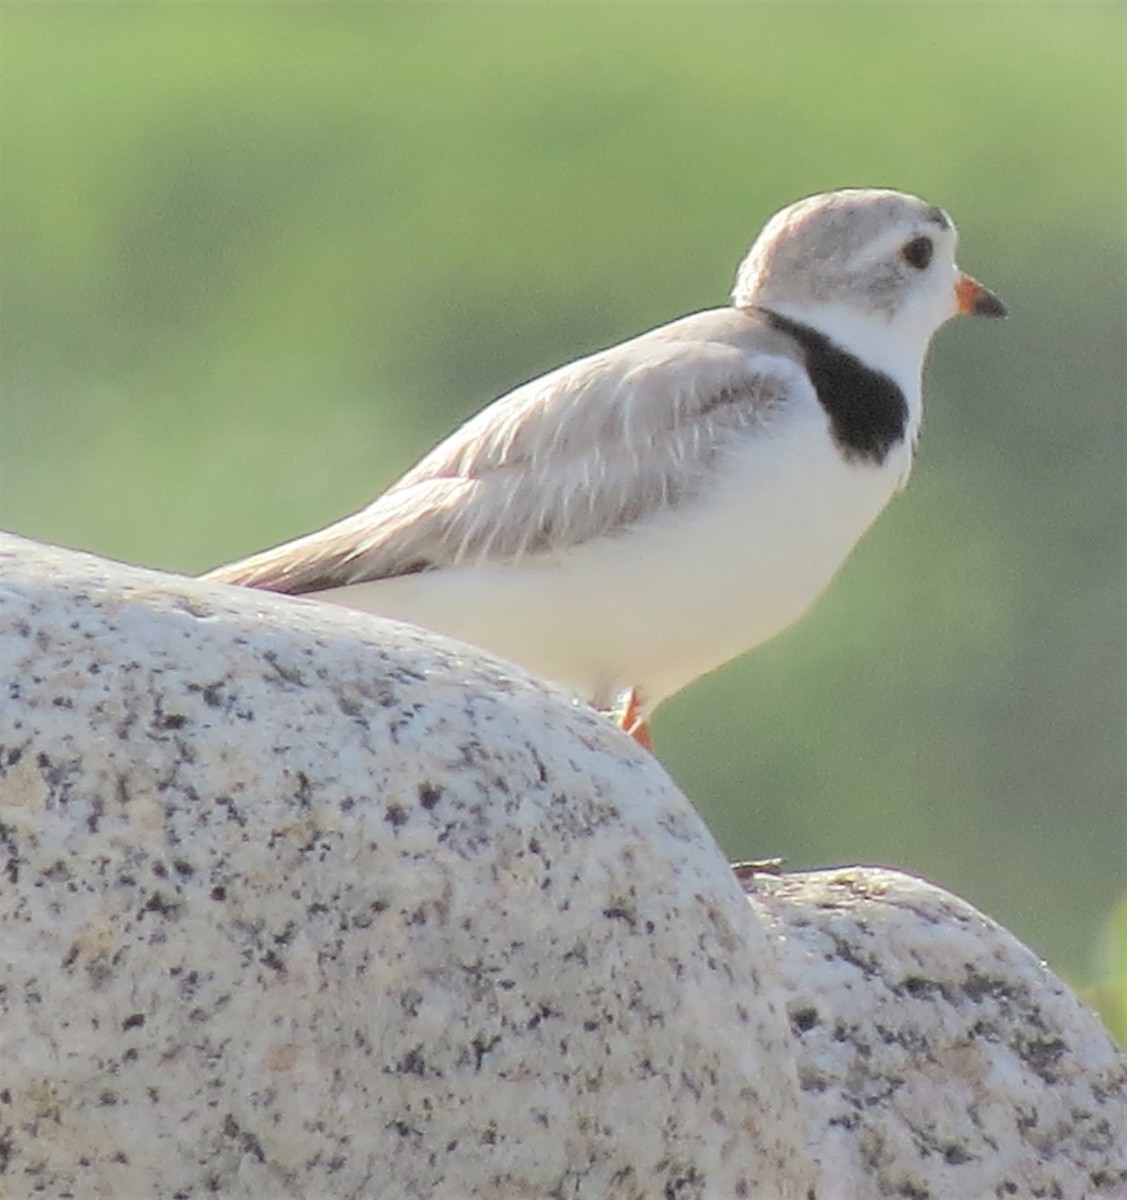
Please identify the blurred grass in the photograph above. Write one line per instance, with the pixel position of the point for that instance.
(1108, 993)
(256, 259)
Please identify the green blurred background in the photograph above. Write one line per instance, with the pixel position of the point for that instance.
(259, 257)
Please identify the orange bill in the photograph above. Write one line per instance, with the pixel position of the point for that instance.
(975, 300)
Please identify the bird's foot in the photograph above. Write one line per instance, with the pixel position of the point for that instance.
(631, 719)
(746, 872)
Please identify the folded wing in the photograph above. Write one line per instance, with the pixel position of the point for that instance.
(583, 452)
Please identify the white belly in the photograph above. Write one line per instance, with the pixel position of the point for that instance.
(676, 596)
(672, 598)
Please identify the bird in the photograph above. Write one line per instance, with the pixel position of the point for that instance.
(637, 518)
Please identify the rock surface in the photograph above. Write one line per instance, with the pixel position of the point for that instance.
(300, 903)
(938, 1056)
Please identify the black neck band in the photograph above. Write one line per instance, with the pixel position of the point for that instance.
(867, 409)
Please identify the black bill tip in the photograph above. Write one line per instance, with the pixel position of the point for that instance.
(987, 304)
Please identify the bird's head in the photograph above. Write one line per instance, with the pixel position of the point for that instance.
(863, 263)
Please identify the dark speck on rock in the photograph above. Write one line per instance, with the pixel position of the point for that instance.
(803, 1019)
(977, 986)
(160, 905)
(273, 961)
(1042, 1055)
(924, 989)
(429, 795)
(911, 1190)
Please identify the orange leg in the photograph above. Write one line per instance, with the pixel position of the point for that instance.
(631, 721)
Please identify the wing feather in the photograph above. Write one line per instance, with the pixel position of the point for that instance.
(586, 451)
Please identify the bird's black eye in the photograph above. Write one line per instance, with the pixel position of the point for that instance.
(917, 253)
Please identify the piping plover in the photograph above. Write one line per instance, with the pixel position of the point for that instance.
(635, 519)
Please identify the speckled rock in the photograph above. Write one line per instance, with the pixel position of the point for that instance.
(939, 1059)
(299, 903)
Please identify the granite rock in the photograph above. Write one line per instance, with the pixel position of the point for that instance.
(300, 903)
(939, 1058)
